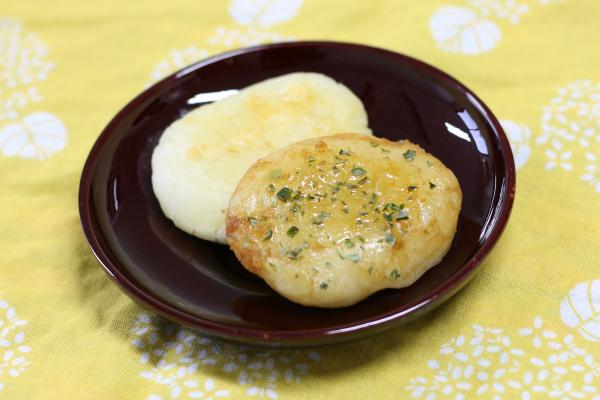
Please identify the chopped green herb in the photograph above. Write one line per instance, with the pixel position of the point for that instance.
(409, 155)
(253, 221)
(397, 212)
(393, 207)
(323, 285)
(310, 158)
(320, 218)
(360, 239)
(354, 257)
(294, 254)
(284, 194)
(373, 199)
(351, 186)
(395, 274)
(269, 235)
(324, 215)
(328, 264)
(429, 163)
(373, 144)
(295, 208)
(345, 210)
(349, 243)
(344, 152)
(272, 265)
(370, 270)
(337, 186)
(411, 188)
(363, 180)
(276, 173)
(389, 238)
(402, 214)
(385, 150)
(292, 231)
(431, 185)
(271, 187)
(358, 171)
(362, 213)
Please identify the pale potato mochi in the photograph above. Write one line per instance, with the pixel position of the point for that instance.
(328, 221)
(201, 157)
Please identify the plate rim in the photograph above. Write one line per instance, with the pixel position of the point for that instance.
(498, 217)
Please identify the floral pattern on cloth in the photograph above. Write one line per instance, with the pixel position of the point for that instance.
(519, 136)
(471, 29)
(534, 362)
(571, 131)
(179, 359)
(13, 348)
(23, 64)
(253, 19)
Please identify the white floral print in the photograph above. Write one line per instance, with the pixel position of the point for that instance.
(570, 134)
(240, 37)
(507, 9)
(581, 309)
(263, 13)
(38, 135)
(472, 28)
(462, 30)
(176, 59)
(519, 136)
(13, 348)
(175, 355)
(491, 363)
(23, 64)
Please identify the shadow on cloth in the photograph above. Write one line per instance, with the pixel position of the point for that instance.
(163, 344)
(167, 348)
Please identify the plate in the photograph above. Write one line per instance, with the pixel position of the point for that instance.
(201, 284)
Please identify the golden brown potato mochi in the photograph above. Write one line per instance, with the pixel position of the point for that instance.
(328, 221)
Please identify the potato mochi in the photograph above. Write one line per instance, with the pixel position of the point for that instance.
(328, 221)
(201, 157)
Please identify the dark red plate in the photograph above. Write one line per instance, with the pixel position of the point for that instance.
(201, 284)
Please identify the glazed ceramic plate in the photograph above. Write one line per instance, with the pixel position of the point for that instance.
(201, 284)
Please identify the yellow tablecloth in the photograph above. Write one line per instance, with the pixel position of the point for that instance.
(527, 326)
